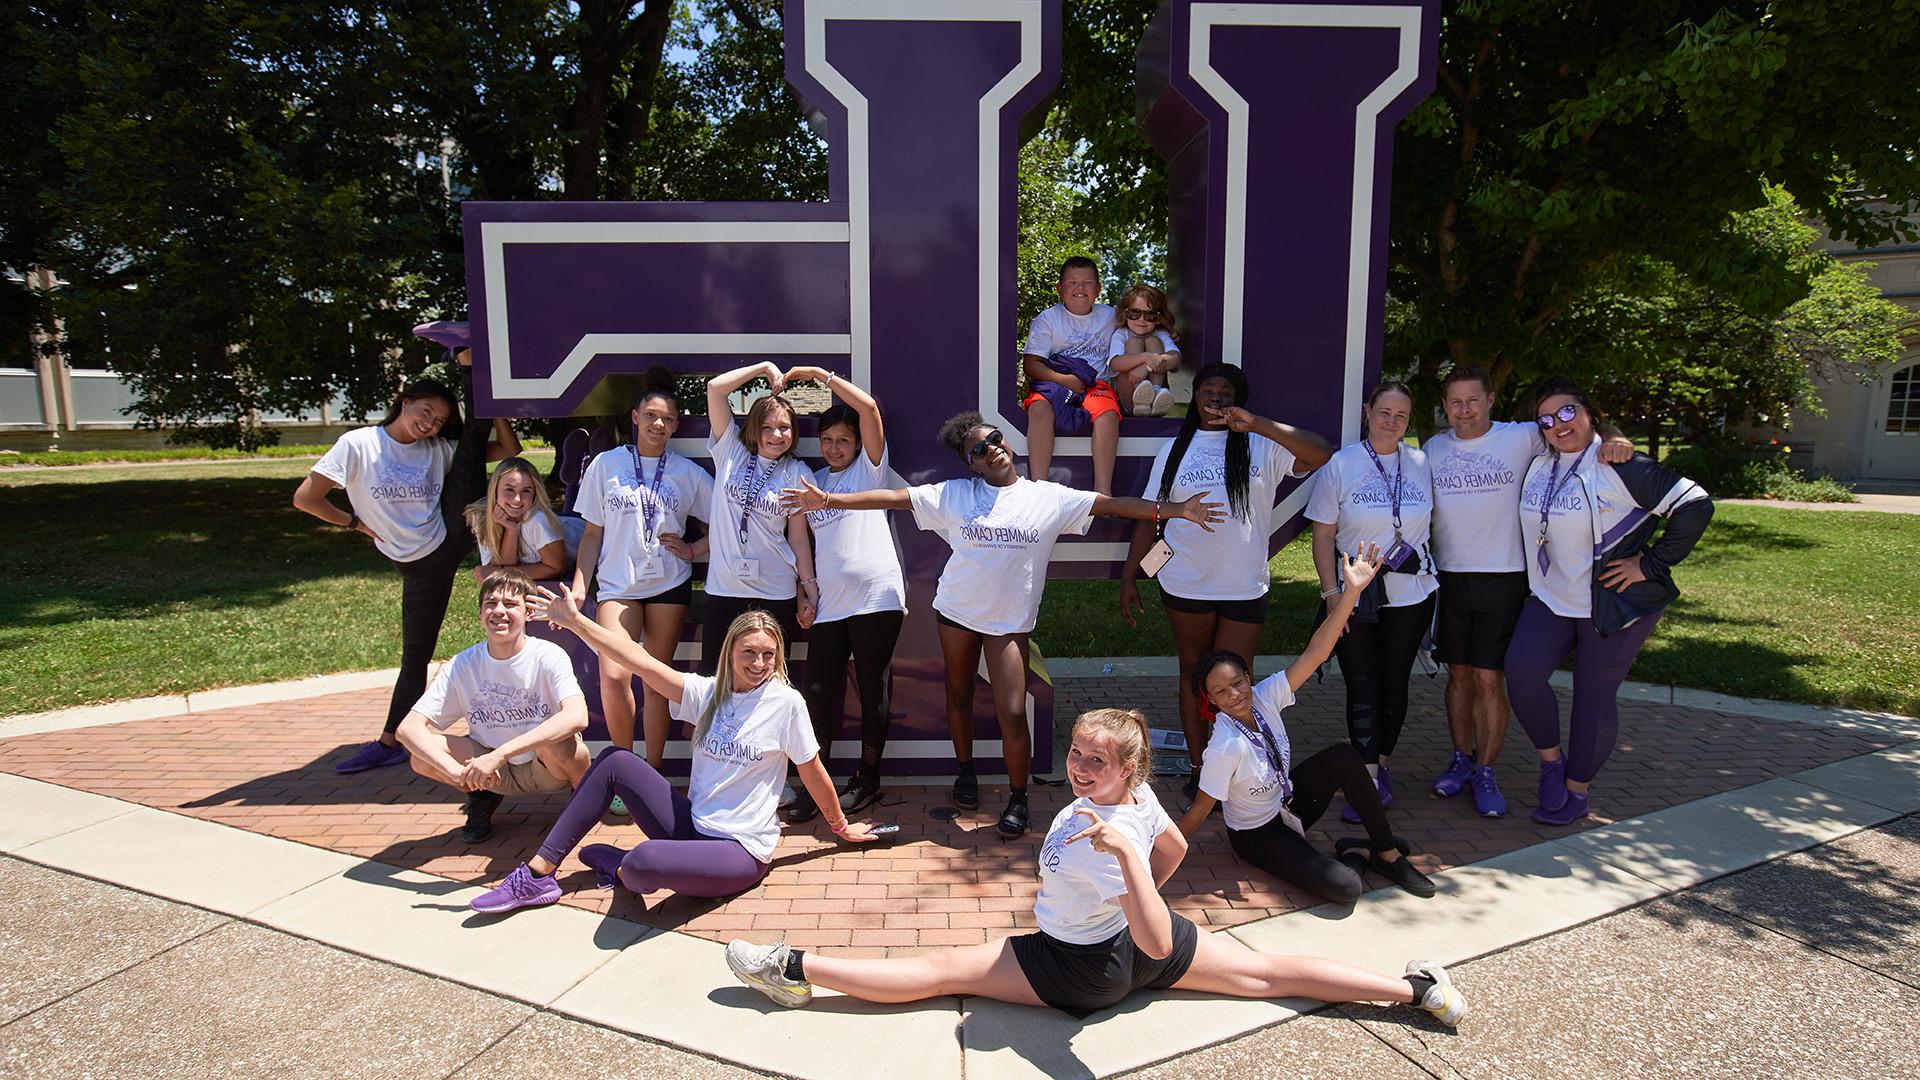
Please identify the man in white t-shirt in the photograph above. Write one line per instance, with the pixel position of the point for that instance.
(523, 708)
(1065, 352)
(1478, 468)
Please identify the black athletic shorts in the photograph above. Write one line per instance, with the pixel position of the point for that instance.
(1477, 616)
(1244, 611)
(1081, 979)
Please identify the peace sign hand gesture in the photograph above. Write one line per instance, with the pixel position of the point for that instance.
(1103, 836)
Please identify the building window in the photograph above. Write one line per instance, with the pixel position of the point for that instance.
(1903, 402)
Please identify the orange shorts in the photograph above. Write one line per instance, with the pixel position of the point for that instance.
(1073, 412)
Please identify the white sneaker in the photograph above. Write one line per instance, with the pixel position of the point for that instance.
(764, 967)
(1162, 402)
(1442, 1000)
(1143, 398)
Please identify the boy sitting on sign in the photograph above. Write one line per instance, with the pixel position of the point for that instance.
(1065, 352)
(523, 708)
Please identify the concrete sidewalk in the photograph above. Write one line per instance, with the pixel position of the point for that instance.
(1799, 967)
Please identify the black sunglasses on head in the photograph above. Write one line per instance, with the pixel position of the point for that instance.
(987, 442)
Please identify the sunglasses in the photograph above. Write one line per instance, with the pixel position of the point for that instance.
(1136, 313)
(1564, 414)
(987, 442)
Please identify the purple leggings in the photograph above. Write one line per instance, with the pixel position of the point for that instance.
(676, 855)
(1543, 639)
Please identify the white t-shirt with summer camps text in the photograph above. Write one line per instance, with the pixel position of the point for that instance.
(853, 550)
(1567, 586)
(1001, 538)
(1476, 486)
(1237, 769)
(1349, 494)
(762, 565)
(1058, 333)
(501, 699)
(536, 532)
(740, 767)
(616, 493)
(1078, 885)
(1229, 563)
(393, 486)
(1117, 346)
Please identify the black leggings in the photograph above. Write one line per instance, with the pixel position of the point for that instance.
(1287, 855)
(868, 640)
(722, 610)
(426, 583)
(1376, 658)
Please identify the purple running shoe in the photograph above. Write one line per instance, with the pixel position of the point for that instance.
(1487, 800)
(521, 889)
(1454, 780)
(604, 860)
(1383, 784)
(374, 755)
(1570, 811)
(1553, 785)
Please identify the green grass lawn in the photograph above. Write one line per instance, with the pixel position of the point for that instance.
(168, 578)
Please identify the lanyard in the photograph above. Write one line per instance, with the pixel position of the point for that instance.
(649, 507)
(1279, 753)
(1554, 483)
(750, 491)
(1392, 488)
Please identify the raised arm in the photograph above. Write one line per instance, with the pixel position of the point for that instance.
(722, 386)
(873, 433)
(1358, 570)
(560, 610)
(505, 443)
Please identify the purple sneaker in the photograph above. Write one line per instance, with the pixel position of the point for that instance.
(374, 755)
(1487, 800)
(521, 889)
(1571, 811)
(604, 860)
(1553, 785)
(1454, 780)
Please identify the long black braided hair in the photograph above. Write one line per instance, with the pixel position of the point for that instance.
(1239, 447)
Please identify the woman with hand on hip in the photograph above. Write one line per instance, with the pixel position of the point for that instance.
(1002, 528)
(1600, 582)
(863, 596)
(409, 479)
(636, 501)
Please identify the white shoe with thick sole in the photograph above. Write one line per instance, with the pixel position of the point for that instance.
(764, 967)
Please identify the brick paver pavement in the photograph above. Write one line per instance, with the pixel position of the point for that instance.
(268, 769)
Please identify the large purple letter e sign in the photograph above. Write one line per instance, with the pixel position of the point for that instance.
(903, 281)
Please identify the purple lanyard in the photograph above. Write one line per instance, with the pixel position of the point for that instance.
(649, 506)
(751, 495)
(1279, 754)
(1554, 483)
(1393, 488)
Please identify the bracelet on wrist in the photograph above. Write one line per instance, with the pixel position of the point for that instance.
(809, 581)
(841, 829)
(1328, 594)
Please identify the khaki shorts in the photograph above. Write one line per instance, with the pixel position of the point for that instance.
(531, 778)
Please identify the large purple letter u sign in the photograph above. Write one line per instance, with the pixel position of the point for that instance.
(1276, 119)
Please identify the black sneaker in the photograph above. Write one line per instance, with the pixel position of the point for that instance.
(1013, 820)
(966, 791)
(1358, 853)
(861, 792)
(802, 808)
(480, 807)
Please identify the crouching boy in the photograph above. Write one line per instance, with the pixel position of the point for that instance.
(523, 708)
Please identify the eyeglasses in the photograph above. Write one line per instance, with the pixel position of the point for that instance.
(987, 442)
(1136, 313)
(1564, 414)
